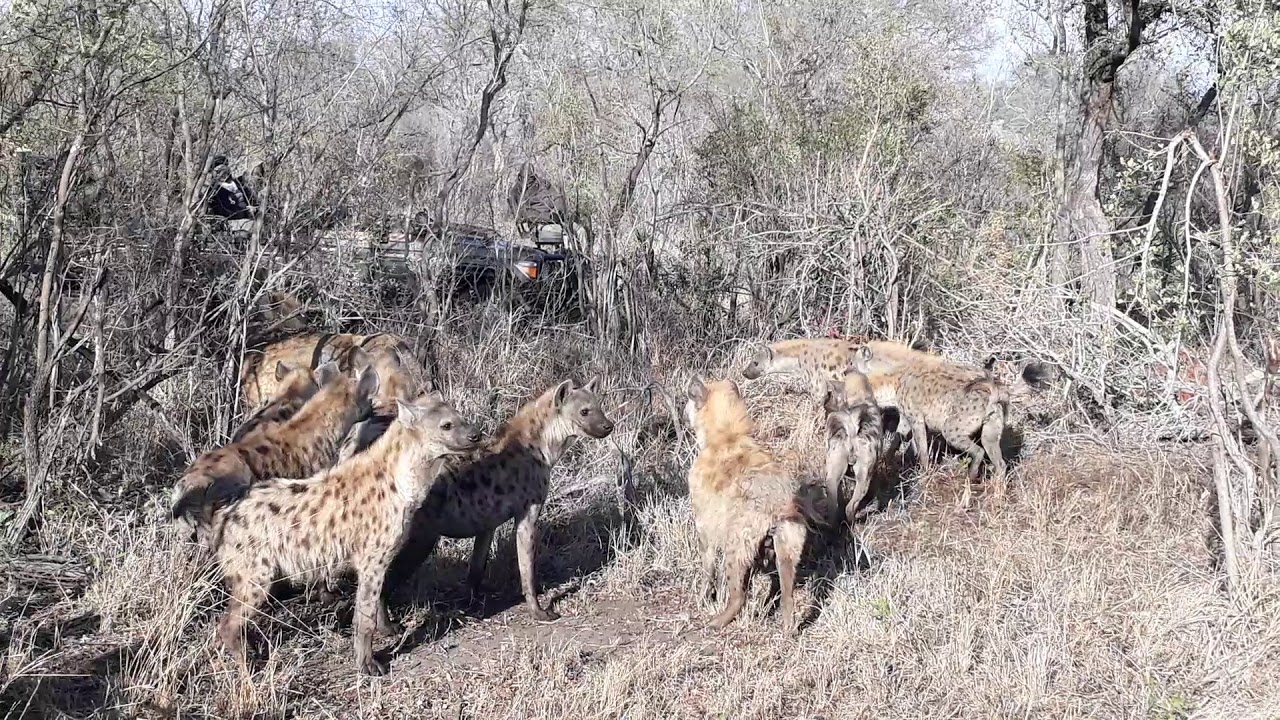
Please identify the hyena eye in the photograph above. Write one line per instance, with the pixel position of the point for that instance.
(446, 425)
(584, 412)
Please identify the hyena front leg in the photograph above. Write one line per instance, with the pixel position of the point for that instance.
(247, 595)
(526, 548)
(368, 608)
(480, 549)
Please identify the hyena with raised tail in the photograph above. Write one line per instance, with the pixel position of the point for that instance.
(741, 496)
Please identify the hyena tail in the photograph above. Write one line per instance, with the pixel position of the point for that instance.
(1036, 375)
(806, 509)
(997, 394)
(196, 504)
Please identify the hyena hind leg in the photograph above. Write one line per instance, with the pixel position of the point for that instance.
(992, 432)
(738, 563)
(788, 543)
(964, 443)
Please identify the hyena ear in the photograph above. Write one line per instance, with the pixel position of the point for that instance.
(593, 385)
(368, 382)
(327, 373)
(358, 359)
(434, 396)
(282, 370)
(406, 414)
(697, 391)
(863, 353)
(834, 398)
(562, 391)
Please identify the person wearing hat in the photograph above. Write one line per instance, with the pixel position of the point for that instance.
(232, 199)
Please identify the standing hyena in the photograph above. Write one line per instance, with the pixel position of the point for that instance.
(305, 444)
(741, 495)
(854, 429)
(824, 360)
(353, 515)
(953, 402)
(507, 480)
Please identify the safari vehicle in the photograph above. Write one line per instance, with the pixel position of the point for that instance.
(477, 263)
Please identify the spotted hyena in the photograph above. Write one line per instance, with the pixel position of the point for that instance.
(742, 496)
(507, 480)
(822, 359)
(854, 430)
(305, 444)
(951, 401)
(354, 515)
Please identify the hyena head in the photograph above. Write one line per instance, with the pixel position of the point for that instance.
(353, 392)
(868, 362)
(294, 382)
(436, 426)
(395, 382)
(715, 409)
(759, 364)
(580, 407)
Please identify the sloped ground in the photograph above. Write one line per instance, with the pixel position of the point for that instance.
(1089, 593)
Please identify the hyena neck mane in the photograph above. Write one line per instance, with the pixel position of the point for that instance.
(726, 423)
(399, 461)
(538, 428)
(324, 420)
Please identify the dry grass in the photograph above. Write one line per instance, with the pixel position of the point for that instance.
(1090, 592)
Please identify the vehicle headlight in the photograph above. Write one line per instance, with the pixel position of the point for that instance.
(528, 268)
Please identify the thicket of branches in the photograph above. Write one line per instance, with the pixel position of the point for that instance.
(734, 172)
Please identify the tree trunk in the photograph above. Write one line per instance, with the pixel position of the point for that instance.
(1082, 208)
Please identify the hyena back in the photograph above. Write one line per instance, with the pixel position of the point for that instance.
(305, 444)
(508, 479)
(352, 515)
(741, 496)
(294, 387)
(311, 351)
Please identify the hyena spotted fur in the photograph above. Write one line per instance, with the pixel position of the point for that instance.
(311, 351)
(295, 386)
(396, 384)
(950, 400)
(355, 515)
(508, 479)
(741, 497)
(305, 444)
(854, 432)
